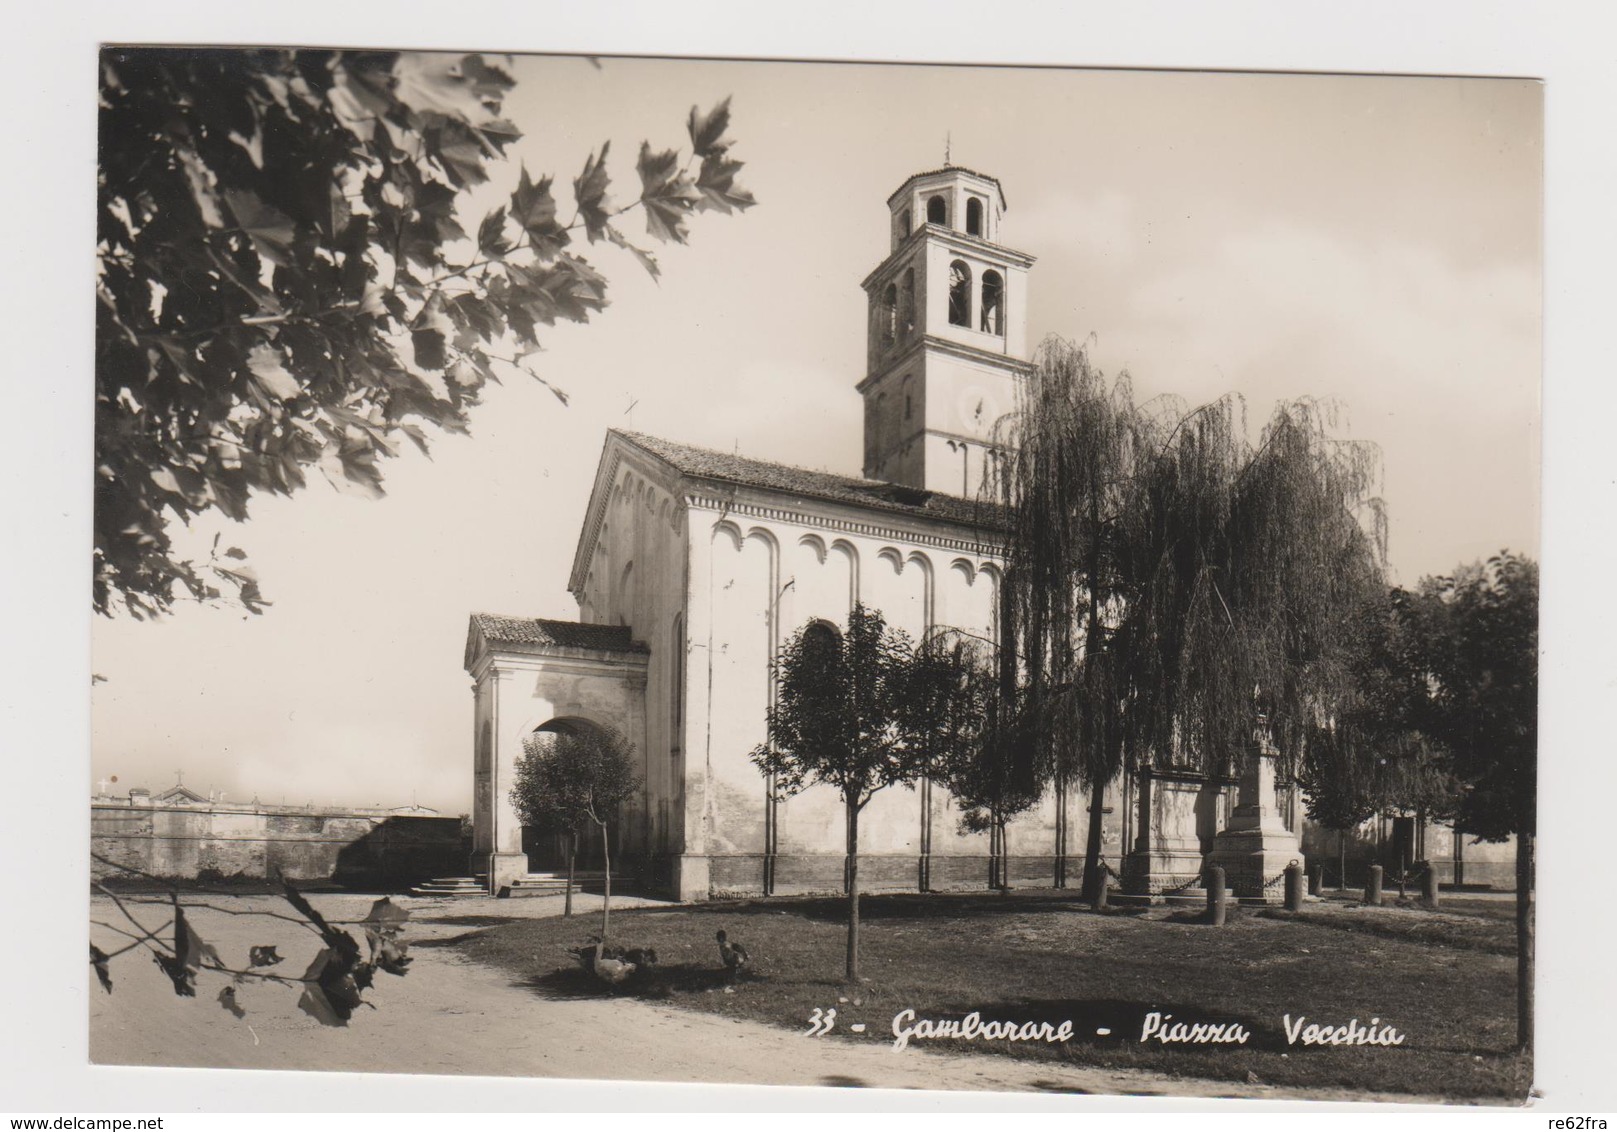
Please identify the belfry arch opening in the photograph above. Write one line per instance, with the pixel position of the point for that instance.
(937, 211)
(993, 304)
(906, 305)
(974, 217)
(959, 294)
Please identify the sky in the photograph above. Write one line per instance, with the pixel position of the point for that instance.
(1372, 240)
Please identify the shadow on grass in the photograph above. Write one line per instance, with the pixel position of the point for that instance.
(660, 982)
(1496, 938)
(907, 906)
(468, 921)
(448, 940)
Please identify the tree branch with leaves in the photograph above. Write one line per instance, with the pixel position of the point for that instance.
(332, 986)
(284, 281)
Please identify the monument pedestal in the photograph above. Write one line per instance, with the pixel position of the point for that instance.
(1256, 848)
(1174, 807)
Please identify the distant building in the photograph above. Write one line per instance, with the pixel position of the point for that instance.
(180, 833)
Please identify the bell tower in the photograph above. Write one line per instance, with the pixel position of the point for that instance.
(948, 335)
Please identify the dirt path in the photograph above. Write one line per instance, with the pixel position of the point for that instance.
(451, 1016)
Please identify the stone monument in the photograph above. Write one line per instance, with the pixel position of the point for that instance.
(1256, 847)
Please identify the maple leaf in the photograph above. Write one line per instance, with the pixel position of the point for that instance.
(534, 209)
(489, 82)
(263, 955)
(265, 363)
(270, 229)
(716, 180)
(428, 334)
(707, 130)
(656, 168)
(589, 190)
(314, 1001)
(461, 152)
(491, 239)
(647, 260)
(191, 953)
(98, 960)
(465, 89)
(335, 939)
(669, 195)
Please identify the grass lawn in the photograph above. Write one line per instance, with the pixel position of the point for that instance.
(1444, 979)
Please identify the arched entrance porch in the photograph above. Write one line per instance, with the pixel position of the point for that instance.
(529, 675)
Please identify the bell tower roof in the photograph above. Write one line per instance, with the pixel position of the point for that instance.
(949, 172)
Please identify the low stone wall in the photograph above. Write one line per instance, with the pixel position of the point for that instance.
(341, 846)
(799, 874)
(1459, 859)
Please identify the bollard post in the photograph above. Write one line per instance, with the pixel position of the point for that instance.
(1372, 886)
(1316, 881)
(1294, 887)
(1101, 886)
(1216, 897)
(1428, 885)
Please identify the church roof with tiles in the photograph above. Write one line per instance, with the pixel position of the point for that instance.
(704, 463)
(499, 630)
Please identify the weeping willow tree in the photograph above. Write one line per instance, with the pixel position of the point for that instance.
(1256, 565)
(1070, 486)
(1172, 584)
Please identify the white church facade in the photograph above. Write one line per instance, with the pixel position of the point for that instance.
(694, 567)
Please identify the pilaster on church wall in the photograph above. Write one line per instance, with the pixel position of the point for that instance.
(482, 765)
(512, 705)
(698, 633)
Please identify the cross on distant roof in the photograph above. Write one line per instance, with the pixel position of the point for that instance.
(179, 778)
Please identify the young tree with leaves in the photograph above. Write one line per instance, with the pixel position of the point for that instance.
(541, 805)
(846, 717)
(284, 280)
(1475, 637)
(980, 744)
(1372, 755)
(575, 779)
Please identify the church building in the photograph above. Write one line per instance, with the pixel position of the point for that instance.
(694, 567)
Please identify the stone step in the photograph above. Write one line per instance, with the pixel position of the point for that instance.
(561, 878)
(451, 886)
(532, 884)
